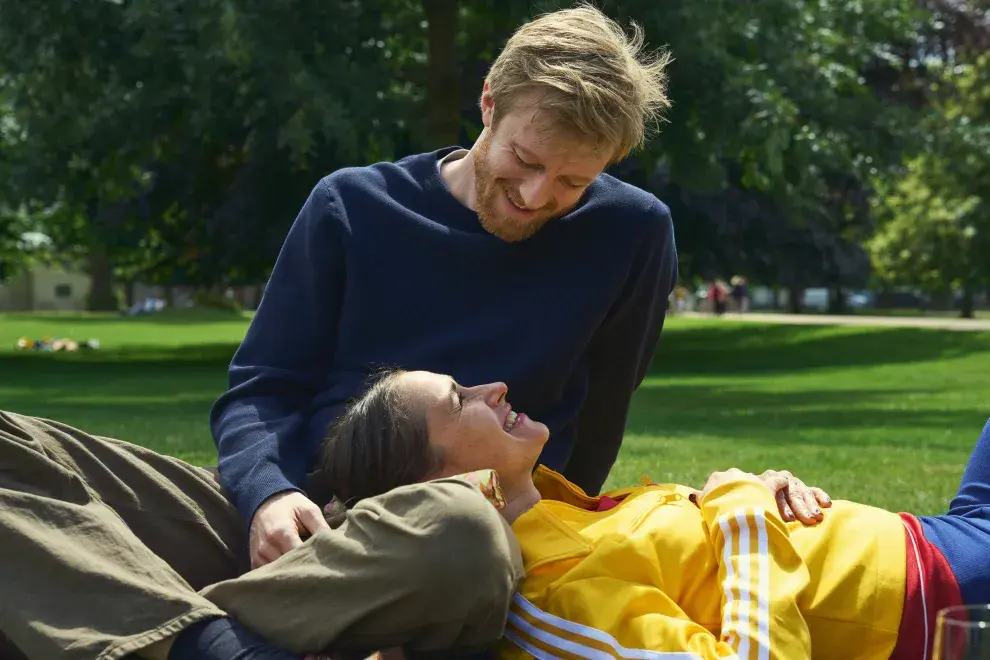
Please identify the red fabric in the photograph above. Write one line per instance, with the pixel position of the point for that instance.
(928, 590)
(606, 503)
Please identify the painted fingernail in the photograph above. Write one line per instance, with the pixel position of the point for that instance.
(817, 511)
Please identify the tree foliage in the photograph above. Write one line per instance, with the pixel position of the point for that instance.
(173, 142)
(935, 231)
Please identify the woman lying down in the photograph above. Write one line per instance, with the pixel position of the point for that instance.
(428, 567)
(661, 570)
(421, 558)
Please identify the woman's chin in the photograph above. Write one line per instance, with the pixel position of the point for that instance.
(531, 433)
(540, 432)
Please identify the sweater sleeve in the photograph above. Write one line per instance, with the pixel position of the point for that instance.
(258, 423)
(620, 354)
(599, 614)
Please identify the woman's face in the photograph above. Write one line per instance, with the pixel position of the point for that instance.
(475, 428)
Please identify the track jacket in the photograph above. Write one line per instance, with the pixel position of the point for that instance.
(659, 576)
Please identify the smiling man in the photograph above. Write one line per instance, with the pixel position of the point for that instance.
(518, 177)
(516, 260)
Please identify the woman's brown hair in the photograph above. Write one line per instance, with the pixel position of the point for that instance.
(380, 442)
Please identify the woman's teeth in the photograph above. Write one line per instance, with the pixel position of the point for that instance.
(510, 420)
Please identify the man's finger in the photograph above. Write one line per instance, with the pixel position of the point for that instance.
(312, 519)
(264, 555)
(284, 539)
(264, 545)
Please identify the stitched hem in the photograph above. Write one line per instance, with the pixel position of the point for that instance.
(166, 630)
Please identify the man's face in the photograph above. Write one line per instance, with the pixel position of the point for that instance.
(527, 173)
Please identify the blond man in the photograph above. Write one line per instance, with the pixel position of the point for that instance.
(517, 259)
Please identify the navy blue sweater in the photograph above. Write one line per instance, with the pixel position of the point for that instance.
(384, 267)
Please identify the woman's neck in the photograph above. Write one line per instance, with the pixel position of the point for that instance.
(519, 500)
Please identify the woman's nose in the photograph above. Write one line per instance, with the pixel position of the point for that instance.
(495, 393)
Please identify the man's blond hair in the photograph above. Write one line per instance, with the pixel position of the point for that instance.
(592, 77)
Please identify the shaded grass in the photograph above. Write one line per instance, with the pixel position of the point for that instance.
(886, 416)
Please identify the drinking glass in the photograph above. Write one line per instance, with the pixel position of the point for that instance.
(963, 633)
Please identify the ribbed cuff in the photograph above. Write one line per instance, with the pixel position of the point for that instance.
(263, 484)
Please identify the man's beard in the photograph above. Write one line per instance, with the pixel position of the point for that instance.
(487, 192)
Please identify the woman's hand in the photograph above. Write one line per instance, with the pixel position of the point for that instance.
(795, 500)
(732, 474)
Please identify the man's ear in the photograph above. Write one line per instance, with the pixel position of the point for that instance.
(487, 107)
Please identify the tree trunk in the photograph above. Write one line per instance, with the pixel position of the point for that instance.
(966, 308)
(101, 295)
(129, 291)
(883, 300)
(443, 98)
(794, 295)
(836, 300)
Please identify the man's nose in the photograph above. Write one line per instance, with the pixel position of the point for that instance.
(536, 191)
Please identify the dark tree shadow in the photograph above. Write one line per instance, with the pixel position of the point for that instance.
(752, 348)
(166, 317)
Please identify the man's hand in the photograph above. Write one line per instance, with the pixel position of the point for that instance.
(278, 525)
(794, 499)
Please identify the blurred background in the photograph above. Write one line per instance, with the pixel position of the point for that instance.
(821, 155)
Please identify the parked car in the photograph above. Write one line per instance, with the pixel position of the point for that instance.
(817, 299)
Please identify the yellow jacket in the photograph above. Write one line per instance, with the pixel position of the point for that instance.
(658, 576)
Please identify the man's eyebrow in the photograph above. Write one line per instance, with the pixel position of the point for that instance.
(576, 178)
(526, 152)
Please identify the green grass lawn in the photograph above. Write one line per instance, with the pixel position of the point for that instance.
(152, 381)
(886, 416)
(931, 313)
(908, 312)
